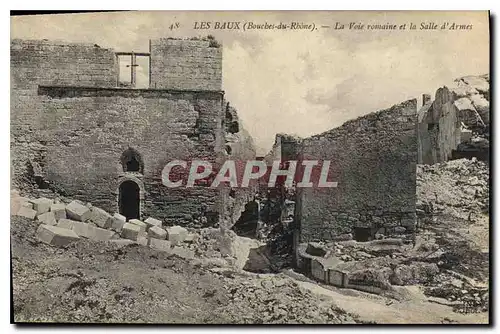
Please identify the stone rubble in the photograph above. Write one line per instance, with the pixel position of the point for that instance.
(78, 211)
(55, 236)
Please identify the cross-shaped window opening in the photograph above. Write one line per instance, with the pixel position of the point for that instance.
(133, 69)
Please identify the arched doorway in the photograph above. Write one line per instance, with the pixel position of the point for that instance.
(129, 200)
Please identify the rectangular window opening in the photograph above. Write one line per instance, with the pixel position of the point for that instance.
(133, 70)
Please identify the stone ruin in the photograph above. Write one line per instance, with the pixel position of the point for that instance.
(77, 131)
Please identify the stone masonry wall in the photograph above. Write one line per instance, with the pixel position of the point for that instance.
(373, 159)
(85, 132)
(35, 63)
(186, 64)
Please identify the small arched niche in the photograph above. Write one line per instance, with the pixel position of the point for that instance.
(131, 161)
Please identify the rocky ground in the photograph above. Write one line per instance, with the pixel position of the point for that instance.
(441, 278)
(90, 281)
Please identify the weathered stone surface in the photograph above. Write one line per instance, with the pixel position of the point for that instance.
(59, 210)
(41, 205)
(47, 218)
(122, 242)
(100, 217)
(141, 224)
(157, 232)
(316, 249)
(78, 211)
(176, 234)
(414, 273)
(80, 228)
(317, 270)
(382, 141)
(55, 236)
(191, 237)
(338, 277)
(117, 222)
(161, 245)
(181, 252)
(99, 234)
(86, 230)
(320, 267)
(16, 202)
(26, 212)
(142, 239)
(152, 222)
(130, 231)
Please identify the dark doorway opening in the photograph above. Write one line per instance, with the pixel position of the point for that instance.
(247, 225)
(129, 200)
(362, 234)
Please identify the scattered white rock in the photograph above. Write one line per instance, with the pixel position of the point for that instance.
(130, 231)
(41, 205)
(150, 222)
(59, 210)
(47, 218)
(117, 222)
(78, 211)
(176, 234)
(157, 232)
(26, 213)
(139, 223)
(55, 236)
(100, 217)
(142, 239)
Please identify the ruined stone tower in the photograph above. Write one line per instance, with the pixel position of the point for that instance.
(89, 139)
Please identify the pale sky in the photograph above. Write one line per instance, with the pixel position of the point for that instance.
(295, 81)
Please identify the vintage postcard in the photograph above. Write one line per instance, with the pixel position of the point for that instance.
(258, 167)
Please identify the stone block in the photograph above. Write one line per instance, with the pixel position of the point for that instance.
(42, 205)
(99, 234)
(47, 218)
(78, 211)
(317, 270)
(26, 213)
(142, 240)
(157, 232)
(130, 231)
(117, 222)
(80, 228)
(315, 249)
(150, 222)
(176, 234)
(26, 205)
(55, 236)
(100, 217)
(161, 245)
(59, 210)
(139, 223)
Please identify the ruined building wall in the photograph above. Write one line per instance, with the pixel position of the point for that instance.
(442, 121)
(68, 114)
(35, 63)
(186, 64)
(373, 159)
